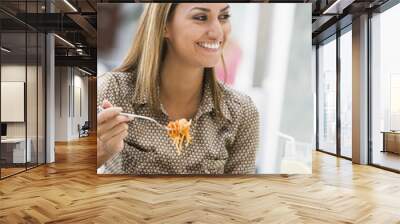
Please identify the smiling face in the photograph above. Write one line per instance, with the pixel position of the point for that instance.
(197, 32)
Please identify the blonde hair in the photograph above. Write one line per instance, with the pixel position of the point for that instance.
(147, 53)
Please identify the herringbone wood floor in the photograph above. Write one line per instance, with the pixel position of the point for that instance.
(69, 191)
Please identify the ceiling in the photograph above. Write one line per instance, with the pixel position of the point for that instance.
(332, 15)
(72, 20)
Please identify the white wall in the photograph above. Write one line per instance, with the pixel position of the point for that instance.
(80, 84)
(67, 116)
(61, 103)
(16, 73)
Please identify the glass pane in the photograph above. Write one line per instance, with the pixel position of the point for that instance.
(31, 86)
(314, 77)
(346, 94)
(327, 96)
(13, 86)
(31, 98)
(41, 99)
(385, 89)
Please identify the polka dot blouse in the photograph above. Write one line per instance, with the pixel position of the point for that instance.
(219, 146)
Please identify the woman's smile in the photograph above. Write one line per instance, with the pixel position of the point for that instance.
(210, 46)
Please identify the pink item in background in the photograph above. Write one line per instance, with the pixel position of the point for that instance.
(232, 55)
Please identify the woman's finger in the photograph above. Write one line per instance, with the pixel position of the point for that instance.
(106, 104)
(116, 144)
(115, 131)
(111, 123)
(108, 114)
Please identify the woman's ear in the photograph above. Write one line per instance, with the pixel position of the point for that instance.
(166, 32)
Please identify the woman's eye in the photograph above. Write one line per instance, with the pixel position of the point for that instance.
(201, 18)
(225, 17)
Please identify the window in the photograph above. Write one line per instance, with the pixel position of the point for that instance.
(346, 93)
(385, 88)
(327, 96)
(22, 76)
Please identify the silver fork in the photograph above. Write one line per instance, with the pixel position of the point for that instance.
(132, 116)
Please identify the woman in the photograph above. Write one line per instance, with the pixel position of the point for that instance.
(168, 74)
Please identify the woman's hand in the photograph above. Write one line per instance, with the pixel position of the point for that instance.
(112, 128)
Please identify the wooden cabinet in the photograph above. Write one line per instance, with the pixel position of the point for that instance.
(391, 142)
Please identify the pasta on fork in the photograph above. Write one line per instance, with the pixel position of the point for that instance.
(179, 131)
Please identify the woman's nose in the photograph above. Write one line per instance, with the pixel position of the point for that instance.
(215, 29)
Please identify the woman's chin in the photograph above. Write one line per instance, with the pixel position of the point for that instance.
(210, 64)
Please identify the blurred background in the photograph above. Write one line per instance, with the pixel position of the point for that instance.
(268, 58)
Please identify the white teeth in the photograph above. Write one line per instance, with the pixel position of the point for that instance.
(210, 45)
